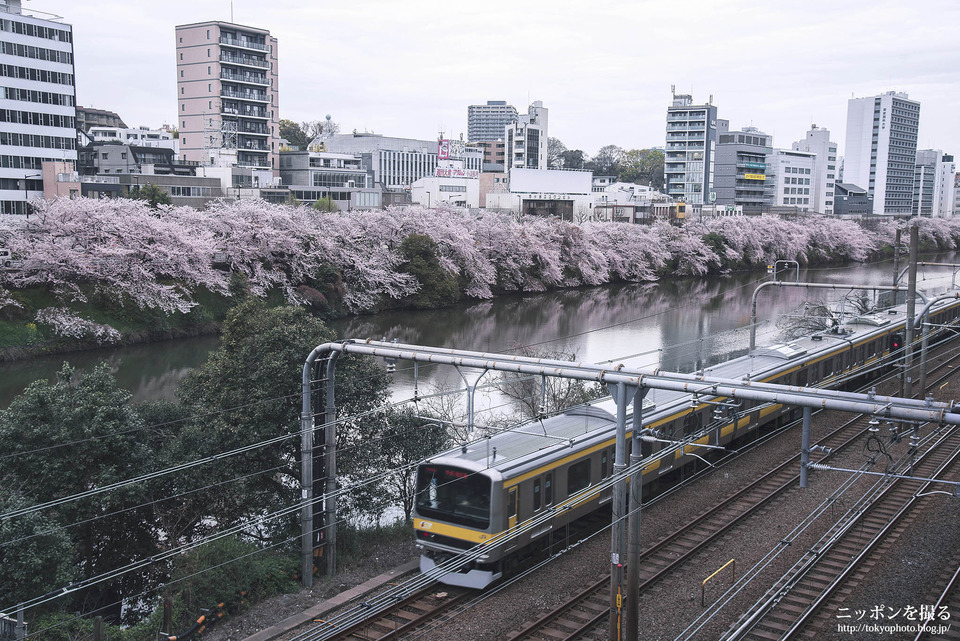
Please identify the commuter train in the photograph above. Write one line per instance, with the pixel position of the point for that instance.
(534, 481)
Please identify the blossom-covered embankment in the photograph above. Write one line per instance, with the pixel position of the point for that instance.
(87, 268)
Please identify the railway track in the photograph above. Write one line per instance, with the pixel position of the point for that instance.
(590, 609)
(947, 596)
(396, 617)
(405, 616)
(797, 606)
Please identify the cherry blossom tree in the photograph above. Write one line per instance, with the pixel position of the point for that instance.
(160, 258)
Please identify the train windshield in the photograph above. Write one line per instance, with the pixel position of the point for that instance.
(453, 495)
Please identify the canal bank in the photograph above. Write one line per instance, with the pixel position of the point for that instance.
(679, 324)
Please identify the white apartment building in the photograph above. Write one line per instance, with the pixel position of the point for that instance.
(228, 95)
(486, 123)
(37, 102)
(791, 175)
(140, 137)
(689, 152)
(526, 139)
(881, 149)
(826, 170)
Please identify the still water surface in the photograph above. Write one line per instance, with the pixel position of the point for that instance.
(677, 324)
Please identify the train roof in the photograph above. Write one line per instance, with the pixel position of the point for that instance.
(521, 449)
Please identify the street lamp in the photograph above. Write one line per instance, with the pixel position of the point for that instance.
(26, 197)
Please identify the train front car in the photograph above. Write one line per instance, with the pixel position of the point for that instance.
(456, 501)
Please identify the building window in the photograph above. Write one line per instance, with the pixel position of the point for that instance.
(208, 37)
(209, 70)
(208, 52)
(209, 87)
(181, 56)
(181, 73)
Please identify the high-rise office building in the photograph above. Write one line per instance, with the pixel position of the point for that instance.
(227, 93)
(688, 161)
(826, 168)
(881, 149)
(488, 122)
(37, 102)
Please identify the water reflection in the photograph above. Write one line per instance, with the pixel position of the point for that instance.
(679, 325)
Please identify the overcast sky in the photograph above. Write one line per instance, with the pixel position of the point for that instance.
(409, 68)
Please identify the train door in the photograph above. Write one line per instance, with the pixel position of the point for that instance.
(512, 508)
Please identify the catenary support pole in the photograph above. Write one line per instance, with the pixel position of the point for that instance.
(330, 465)
(631, 619)
(805, 447)
(617, 530)
(907, 387)
(896, 260)
(306, 482)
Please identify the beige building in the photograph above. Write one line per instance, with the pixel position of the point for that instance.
(227, 90)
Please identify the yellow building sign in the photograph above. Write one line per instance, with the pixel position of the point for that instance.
(755, 176)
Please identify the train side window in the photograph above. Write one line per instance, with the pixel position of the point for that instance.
(603, 464)
(802, 377)
(548, 490)
(536, 494)
(512, 503)
(578, 476)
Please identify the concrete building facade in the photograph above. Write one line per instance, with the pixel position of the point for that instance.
(946, 196)
(90, 117)
(740, 177)
(881, 149)
(826, 170)
(689, 153)
(396, 163)
(228, 95)
(37, 102)
(311, 175)
(489, 122)
(791, 179)
(933, 180)
(526, 139)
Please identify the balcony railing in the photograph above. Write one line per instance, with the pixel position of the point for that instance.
(249, 44)
(244, 77)
(250, 61)
(244, 95)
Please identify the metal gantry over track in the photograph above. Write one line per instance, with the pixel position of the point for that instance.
(627, 386)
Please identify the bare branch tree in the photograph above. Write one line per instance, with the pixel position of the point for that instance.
(809, 318)
(536, 396)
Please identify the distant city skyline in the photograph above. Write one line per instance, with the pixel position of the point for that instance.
(411, 69)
